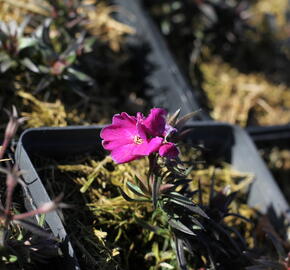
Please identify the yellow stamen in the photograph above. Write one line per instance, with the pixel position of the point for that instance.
(137, 139)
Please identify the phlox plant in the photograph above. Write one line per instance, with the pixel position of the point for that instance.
(156, 137)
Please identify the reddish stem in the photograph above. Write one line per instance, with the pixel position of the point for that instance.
(4, 146)
(27, 214)
(8, 200)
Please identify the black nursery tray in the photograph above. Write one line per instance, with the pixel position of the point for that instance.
(221, 140)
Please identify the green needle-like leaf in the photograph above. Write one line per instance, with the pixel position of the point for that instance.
(178, 225)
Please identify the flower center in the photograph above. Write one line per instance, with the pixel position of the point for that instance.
(137, 139)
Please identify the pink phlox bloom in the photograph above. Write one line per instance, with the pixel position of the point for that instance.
(168, 150)
(127, 138)
(156, 125)
(155, 122)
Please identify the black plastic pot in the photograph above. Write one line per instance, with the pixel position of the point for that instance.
(170, 87)
(222, 141)
(31, 141)
(274, 145)
(278, 135)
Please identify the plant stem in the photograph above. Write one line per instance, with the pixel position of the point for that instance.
(4, 147)
(93, 175)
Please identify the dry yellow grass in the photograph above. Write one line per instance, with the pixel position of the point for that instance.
(261, 7)
(101, 24)
(43, 113)
(15, 10)
(234, 96)
(48, 113)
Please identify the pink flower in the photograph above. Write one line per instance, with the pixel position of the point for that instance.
(156, 125)
(155, 122)
(129, 138)
(168, 150)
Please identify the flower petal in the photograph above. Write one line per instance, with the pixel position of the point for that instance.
(140, 117)
(115, 132)
(111, 145)
(155, 122)
(148, 147)
(123, 119)
(123, 128)
(168, 150)
(124, 154)
(154, 145)
(141, 129)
